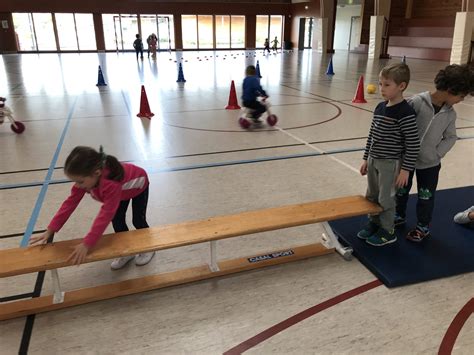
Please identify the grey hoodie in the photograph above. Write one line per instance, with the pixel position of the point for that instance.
(437, 132)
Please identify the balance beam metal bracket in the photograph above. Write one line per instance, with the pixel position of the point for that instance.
(213, 265)
(329, 240)
(58, 294)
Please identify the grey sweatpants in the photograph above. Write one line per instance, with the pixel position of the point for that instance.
(381, 175)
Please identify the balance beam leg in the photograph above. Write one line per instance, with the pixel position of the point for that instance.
(330, 241)
(86, 295)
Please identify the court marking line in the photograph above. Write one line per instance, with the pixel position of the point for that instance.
(213, 165)
(449, 339)
(319, 150)
(297, 318)
(39, 201)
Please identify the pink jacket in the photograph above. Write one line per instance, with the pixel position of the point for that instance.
(110, 193)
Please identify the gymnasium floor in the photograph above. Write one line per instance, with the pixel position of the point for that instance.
(201, 164)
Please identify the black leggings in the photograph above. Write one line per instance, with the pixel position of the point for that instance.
(427, 181)
(139, 204)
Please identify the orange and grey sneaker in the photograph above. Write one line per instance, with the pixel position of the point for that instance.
(419, 233)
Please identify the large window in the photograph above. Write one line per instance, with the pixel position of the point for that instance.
(268, 27)
(43, 26)
(66, 32)
(25, 35)
(189, 25)
(110, 34)
(75, 32)
(127, 29)
(85, 32)
(222, 31)
(166, 32)
(160, 25)
(237, 31)
(261, 31)
(205, 31)
(276, 28)
(199, 31)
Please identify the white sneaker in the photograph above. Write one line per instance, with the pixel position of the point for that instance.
(121, 262)
(463, 217)
(143, 259)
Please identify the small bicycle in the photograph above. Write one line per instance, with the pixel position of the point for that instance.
(247, 121)
(5, 111)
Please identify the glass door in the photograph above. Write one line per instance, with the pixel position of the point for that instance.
(308, 32)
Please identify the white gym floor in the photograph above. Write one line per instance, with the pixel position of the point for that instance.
(202, 164)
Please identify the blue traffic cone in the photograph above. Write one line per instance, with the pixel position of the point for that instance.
(404, 60)
(330, 70)
(180, 75)
(257, 69)
(100, 79)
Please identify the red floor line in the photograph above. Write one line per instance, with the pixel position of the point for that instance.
(268, 333)
(455, 327)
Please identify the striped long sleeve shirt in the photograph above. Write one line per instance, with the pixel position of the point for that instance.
(394, 134)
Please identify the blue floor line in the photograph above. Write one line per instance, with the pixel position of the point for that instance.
(39, 201)
(194, 167)
(204, 166)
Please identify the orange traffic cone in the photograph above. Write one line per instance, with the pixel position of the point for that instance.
(144, 106)
(233, 104)
(359, 96)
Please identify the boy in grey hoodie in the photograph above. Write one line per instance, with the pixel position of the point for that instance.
(437, 130)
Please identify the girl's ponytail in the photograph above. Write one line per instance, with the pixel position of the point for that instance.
(116, 171)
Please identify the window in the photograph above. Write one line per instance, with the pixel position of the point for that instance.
(128, 26)
(189, 26)
(25, 35)
(206, 31)
(276, 29)
(261, 31)
(222, 31)
(237, 34)
(85, 32)
(43, 27)
(66, 32)
(268, 27)
(110, 35)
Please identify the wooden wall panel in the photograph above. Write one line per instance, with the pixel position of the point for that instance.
(435, 8)
(367, 11)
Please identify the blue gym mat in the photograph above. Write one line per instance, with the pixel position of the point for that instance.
(448, 251)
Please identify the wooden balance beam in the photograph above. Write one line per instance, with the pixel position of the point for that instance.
(52, 256)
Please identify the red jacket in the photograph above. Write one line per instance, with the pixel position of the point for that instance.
(110, 193)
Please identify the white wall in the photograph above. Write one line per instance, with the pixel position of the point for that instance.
(343, 25)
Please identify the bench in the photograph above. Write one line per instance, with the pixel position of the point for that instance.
(52, 256)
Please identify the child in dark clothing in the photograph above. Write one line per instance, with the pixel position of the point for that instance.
(251, 91)
(437, 130)
(266, 46)
(138, 45)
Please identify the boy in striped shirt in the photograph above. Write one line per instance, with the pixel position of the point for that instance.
(390, 153)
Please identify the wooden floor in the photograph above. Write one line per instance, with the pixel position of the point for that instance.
(201, 164)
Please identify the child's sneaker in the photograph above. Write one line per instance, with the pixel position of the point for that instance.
(419, 233)
(463, 217)
(382, 237)
(143, 259)
(368, 231)
(119, 263)
(399, 221)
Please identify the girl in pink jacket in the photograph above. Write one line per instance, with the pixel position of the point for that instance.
(107, 181)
